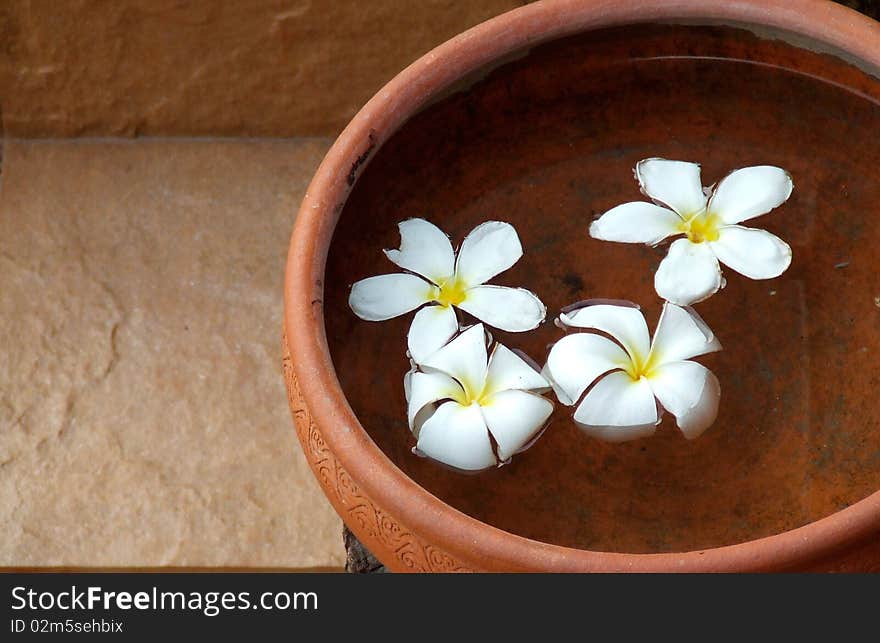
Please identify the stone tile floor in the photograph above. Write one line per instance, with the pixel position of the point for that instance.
(143, 418)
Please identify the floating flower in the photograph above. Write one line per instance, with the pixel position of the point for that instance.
(446, 282)
(627, 377)
(690, 272)
(472, 411)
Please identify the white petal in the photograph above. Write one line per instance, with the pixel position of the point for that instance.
(407, 384)
(750, 192)
(424, 249)
(636, 222)
(681, 334)
(464, 358)
(511, 309)
(431, 328)
(688, 274)
(387, 296)
(514, 417)
(489, 249)
(427, 388)
(457, 435)
(618, 408)
(757, 254)
(575, 361)
(507, 371)
(673, 183)
(626, 324)
(689, 391)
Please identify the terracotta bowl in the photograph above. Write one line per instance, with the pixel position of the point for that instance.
(537, 118)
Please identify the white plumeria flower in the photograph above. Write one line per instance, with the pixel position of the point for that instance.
(489, 249)
(690, 272)
(627, 377)
(471, 410)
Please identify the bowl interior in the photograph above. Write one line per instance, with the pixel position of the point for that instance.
(548, 141)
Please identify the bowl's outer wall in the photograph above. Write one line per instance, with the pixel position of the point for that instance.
(407, 528)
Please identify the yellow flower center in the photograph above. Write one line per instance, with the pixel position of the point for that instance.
(483, 399)
(640, 366)
(452, 292)
(701, 227)
(468, 394)
(485, 396)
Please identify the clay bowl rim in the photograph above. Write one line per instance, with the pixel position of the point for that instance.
(469, 539)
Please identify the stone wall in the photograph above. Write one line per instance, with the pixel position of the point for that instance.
(210, 67)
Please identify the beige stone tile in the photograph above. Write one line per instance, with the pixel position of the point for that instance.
(211, 67)
(143, 418)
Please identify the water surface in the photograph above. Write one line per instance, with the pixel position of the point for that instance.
(549, 141)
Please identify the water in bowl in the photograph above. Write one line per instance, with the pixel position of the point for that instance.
(547, 142)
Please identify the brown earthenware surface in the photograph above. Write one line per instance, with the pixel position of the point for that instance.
(549, 141)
